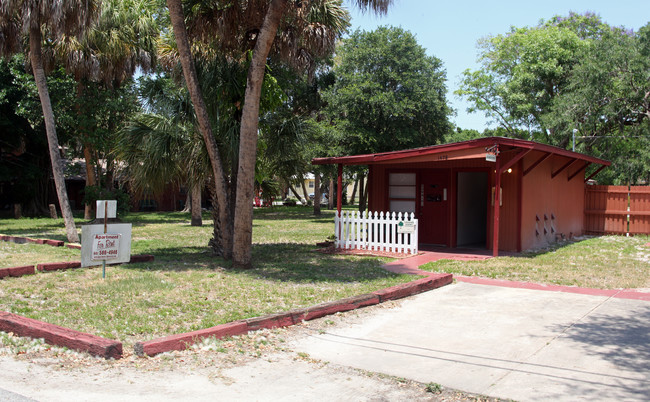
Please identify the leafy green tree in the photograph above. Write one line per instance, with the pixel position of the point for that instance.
(162, 145)
(122, 39)
(607, 101)
(24, 163)
(521, 74)
(388, 93)
(25, 18)
(570, 73)
(302, 30)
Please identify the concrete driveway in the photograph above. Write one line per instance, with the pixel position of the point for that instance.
(504, 342)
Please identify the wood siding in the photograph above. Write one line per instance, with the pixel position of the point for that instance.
(606, 210)
(552, 207)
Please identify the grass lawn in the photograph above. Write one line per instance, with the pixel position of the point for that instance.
(185, 288)
(606, 262)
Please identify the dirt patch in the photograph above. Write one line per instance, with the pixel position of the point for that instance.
(369, 253)
(237, 366)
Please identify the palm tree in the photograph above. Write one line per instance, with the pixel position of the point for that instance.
(123, 39)
(163, 145)
(295, 31)
(49, 20)
(189, 72)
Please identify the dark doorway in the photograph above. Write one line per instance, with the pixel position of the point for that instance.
(434, 207)
(471, 209)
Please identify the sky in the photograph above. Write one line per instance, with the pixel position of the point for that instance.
(449, 30)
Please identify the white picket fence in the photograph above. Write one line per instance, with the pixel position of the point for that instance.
(377, 231)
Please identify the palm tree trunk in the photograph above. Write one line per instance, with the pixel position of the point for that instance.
(362, 193)
(364, 200)
(50, 129)
(316, 193)
(189, 71)
(242, 253)
(293, 190)
(304, 190)
(354, 192)
(90, 176)
(196, 205)
(87, 151)
(330, 195)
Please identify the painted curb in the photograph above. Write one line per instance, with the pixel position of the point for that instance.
(17, 271)
(54, 266)
(182, 341)
(23, 240)
(415, 287)
(60, 336)
(141, 258)
(292, 317)
(75, 246)
(631, 294)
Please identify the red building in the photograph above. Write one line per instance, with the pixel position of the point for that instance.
(451, 190)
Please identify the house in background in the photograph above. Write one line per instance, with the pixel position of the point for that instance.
(491, 193)
(310, 187)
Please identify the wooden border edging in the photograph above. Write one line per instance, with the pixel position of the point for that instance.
(292, 317)
(23, 240)
(55, 266)
(17, 271)
(60, 336)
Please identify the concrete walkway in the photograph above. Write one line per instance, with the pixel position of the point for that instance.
(410, 265)
(502, 341)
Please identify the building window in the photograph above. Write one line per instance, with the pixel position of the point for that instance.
(311, 184)
(401, 192)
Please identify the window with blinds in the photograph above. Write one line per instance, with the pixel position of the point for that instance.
(402, 192)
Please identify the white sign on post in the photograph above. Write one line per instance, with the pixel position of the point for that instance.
(406, 227)
(106, 209)
(93, 234)
(105, 246)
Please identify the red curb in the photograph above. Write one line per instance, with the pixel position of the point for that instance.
(415, 287)
(273, 320)
(141, 258)
(182, 341)
(60, 336)
(339, 306)
(53, 266)
(616, 293)
(73, 246)
(17, 271)
(55, 243)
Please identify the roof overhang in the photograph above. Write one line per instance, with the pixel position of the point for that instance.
(472, 149)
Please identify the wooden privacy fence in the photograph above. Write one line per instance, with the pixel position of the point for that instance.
(377, 231)
(617, 210)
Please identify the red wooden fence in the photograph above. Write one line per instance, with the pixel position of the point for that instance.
(617, 210)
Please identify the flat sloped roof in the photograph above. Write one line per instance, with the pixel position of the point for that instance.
(480, 145)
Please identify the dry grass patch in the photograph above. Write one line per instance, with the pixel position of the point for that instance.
(607, 262)
(185, 288)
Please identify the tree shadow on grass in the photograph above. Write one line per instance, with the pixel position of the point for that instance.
(282, 262)
(144, 218)
(293, 213)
